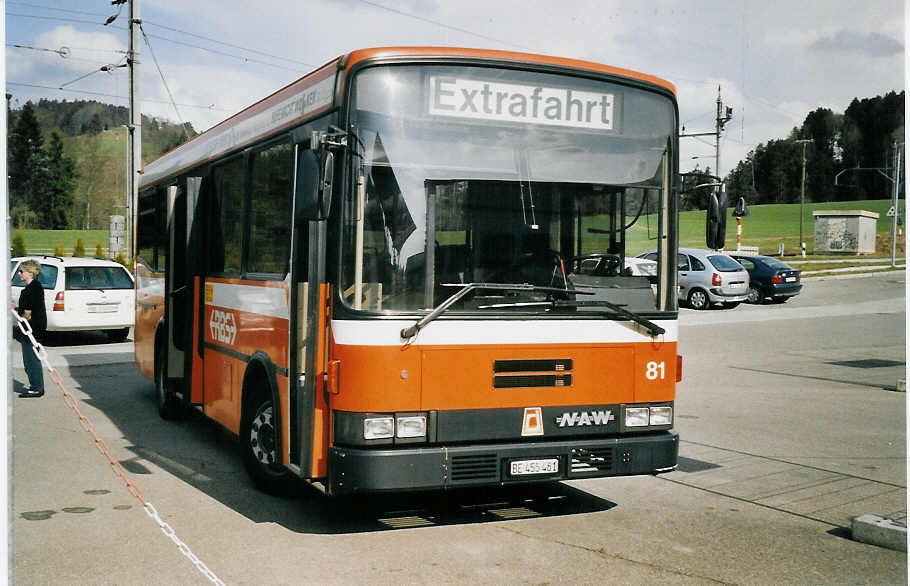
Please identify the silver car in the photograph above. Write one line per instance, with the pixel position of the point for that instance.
(708, 277)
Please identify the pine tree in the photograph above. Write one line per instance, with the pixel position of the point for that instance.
(61, 185)
(24, 147)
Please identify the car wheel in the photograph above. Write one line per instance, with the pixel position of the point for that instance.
(698, 299)
(117, 335)
(754, 295)
(169, 406)
(260, 454)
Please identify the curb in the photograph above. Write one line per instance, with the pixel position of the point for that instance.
(880, 531)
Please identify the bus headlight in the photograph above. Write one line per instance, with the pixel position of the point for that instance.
(378, 428)
(407, 426)
(662, 415)
(637, 416)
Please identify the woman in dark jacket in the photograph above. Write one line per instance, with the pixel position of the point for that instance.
(31, 307)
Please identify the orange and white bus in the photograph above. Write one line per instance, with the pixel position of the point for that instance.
(408, 270)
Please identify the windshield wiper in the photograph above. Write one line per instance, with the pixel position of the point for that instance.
(412, 331)
(653, 328)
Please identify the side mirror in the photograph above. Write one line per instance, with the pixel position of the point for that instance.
(327, 181)
(314, 184)
(716, 221)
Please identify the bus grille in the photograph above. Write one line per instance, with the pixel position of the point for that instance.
(518, 381)
(586, 461)
(474, 468)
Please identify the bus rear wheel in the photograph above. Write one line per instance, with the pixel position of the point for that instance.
(260, 454)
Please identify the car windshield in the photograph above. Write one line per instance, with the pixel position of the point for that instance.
(47, 277)
(499, 176)
(97, 278)
(724, 263)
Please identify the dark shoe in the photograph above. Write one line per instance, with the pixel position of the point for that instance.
(31, 393)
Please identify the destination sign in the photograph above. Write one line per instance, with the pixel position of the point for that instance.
(524, 104)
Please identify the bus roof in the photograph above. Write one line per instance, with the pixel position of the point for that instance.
(506, 56)
(315, 92)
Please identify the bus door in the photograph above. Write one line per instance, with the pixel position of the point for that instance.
(308, 405)
(182, 288)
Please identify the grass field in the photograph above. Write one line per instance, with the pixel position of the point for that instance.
(769, 225)
(44, 241)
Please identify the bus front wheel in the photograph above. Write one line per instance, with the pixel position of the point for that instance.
(169, 406)
(260, 454)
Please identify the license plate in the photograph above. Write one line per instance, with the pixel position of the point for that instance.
(526, 467)
(791, 279)
(102, 308)
(737, 285)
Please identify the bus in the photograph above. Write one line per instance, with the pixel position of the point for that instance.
(412, 269)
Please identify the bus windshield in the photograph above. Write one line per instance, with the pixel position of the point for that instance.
(482, 175)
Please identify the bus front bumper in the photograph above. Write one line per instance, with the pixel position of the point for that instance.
(354, 470)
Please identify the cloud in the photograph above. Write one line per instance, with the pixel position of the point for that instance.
(869, 44)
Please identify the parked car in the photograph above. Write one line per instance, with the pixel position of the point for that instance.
(708, 277)
(83, 294)
(607, 265)
(769, 277)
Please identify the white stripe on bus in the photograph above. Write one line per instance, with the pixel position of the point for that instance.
(388, 333)
(270, 301)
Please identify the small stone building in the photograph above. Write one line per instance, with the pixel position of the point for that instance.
(850, 231)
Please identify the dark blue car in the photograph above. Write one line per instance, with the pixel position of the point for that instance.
(769, 277)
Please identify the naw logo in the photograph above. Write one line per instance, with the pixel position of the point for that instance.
(580, 418)
(223, 326)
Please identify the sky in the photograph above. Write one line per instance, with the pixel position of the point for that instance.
(774, 61)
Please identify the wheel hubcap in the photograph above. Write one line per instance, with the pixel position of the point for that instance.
(262, 437)
(698, 300)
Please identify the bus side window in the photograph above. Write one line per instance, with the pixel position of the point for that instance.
(271, 186)
(226, 244)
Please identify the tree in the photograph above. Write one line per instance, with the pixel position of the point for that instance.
(18, 245)
(61, 185)
(24, 144)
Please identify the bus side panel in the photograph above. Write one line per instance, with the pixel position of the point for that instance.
(231, 337)
(149, 311)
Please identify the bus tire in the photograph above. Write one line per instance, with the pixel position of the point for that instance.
(169, 405)
(260, 454)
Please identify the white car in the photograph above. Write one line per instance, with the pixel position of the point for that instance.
(83, 294)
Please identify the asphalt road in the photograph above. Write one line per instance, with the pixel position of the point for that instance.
(790, 425)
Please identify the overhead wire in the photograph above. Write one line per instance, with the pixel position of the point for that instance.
(444, 25)
(161, 73)
(106, 95)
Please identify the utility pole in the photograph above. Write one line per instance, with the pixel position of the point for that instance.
(895, 186)
(134, 141)
(802, 195)
(724, 115)
(135, 128)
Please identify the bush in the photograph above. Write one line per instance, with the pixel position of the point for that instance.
(19, 245)
(121, 259)
(59, 251)
(99, 251)
(79, 248)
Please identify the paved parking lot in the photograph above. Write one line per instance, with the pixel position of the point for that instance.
(790, 425)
